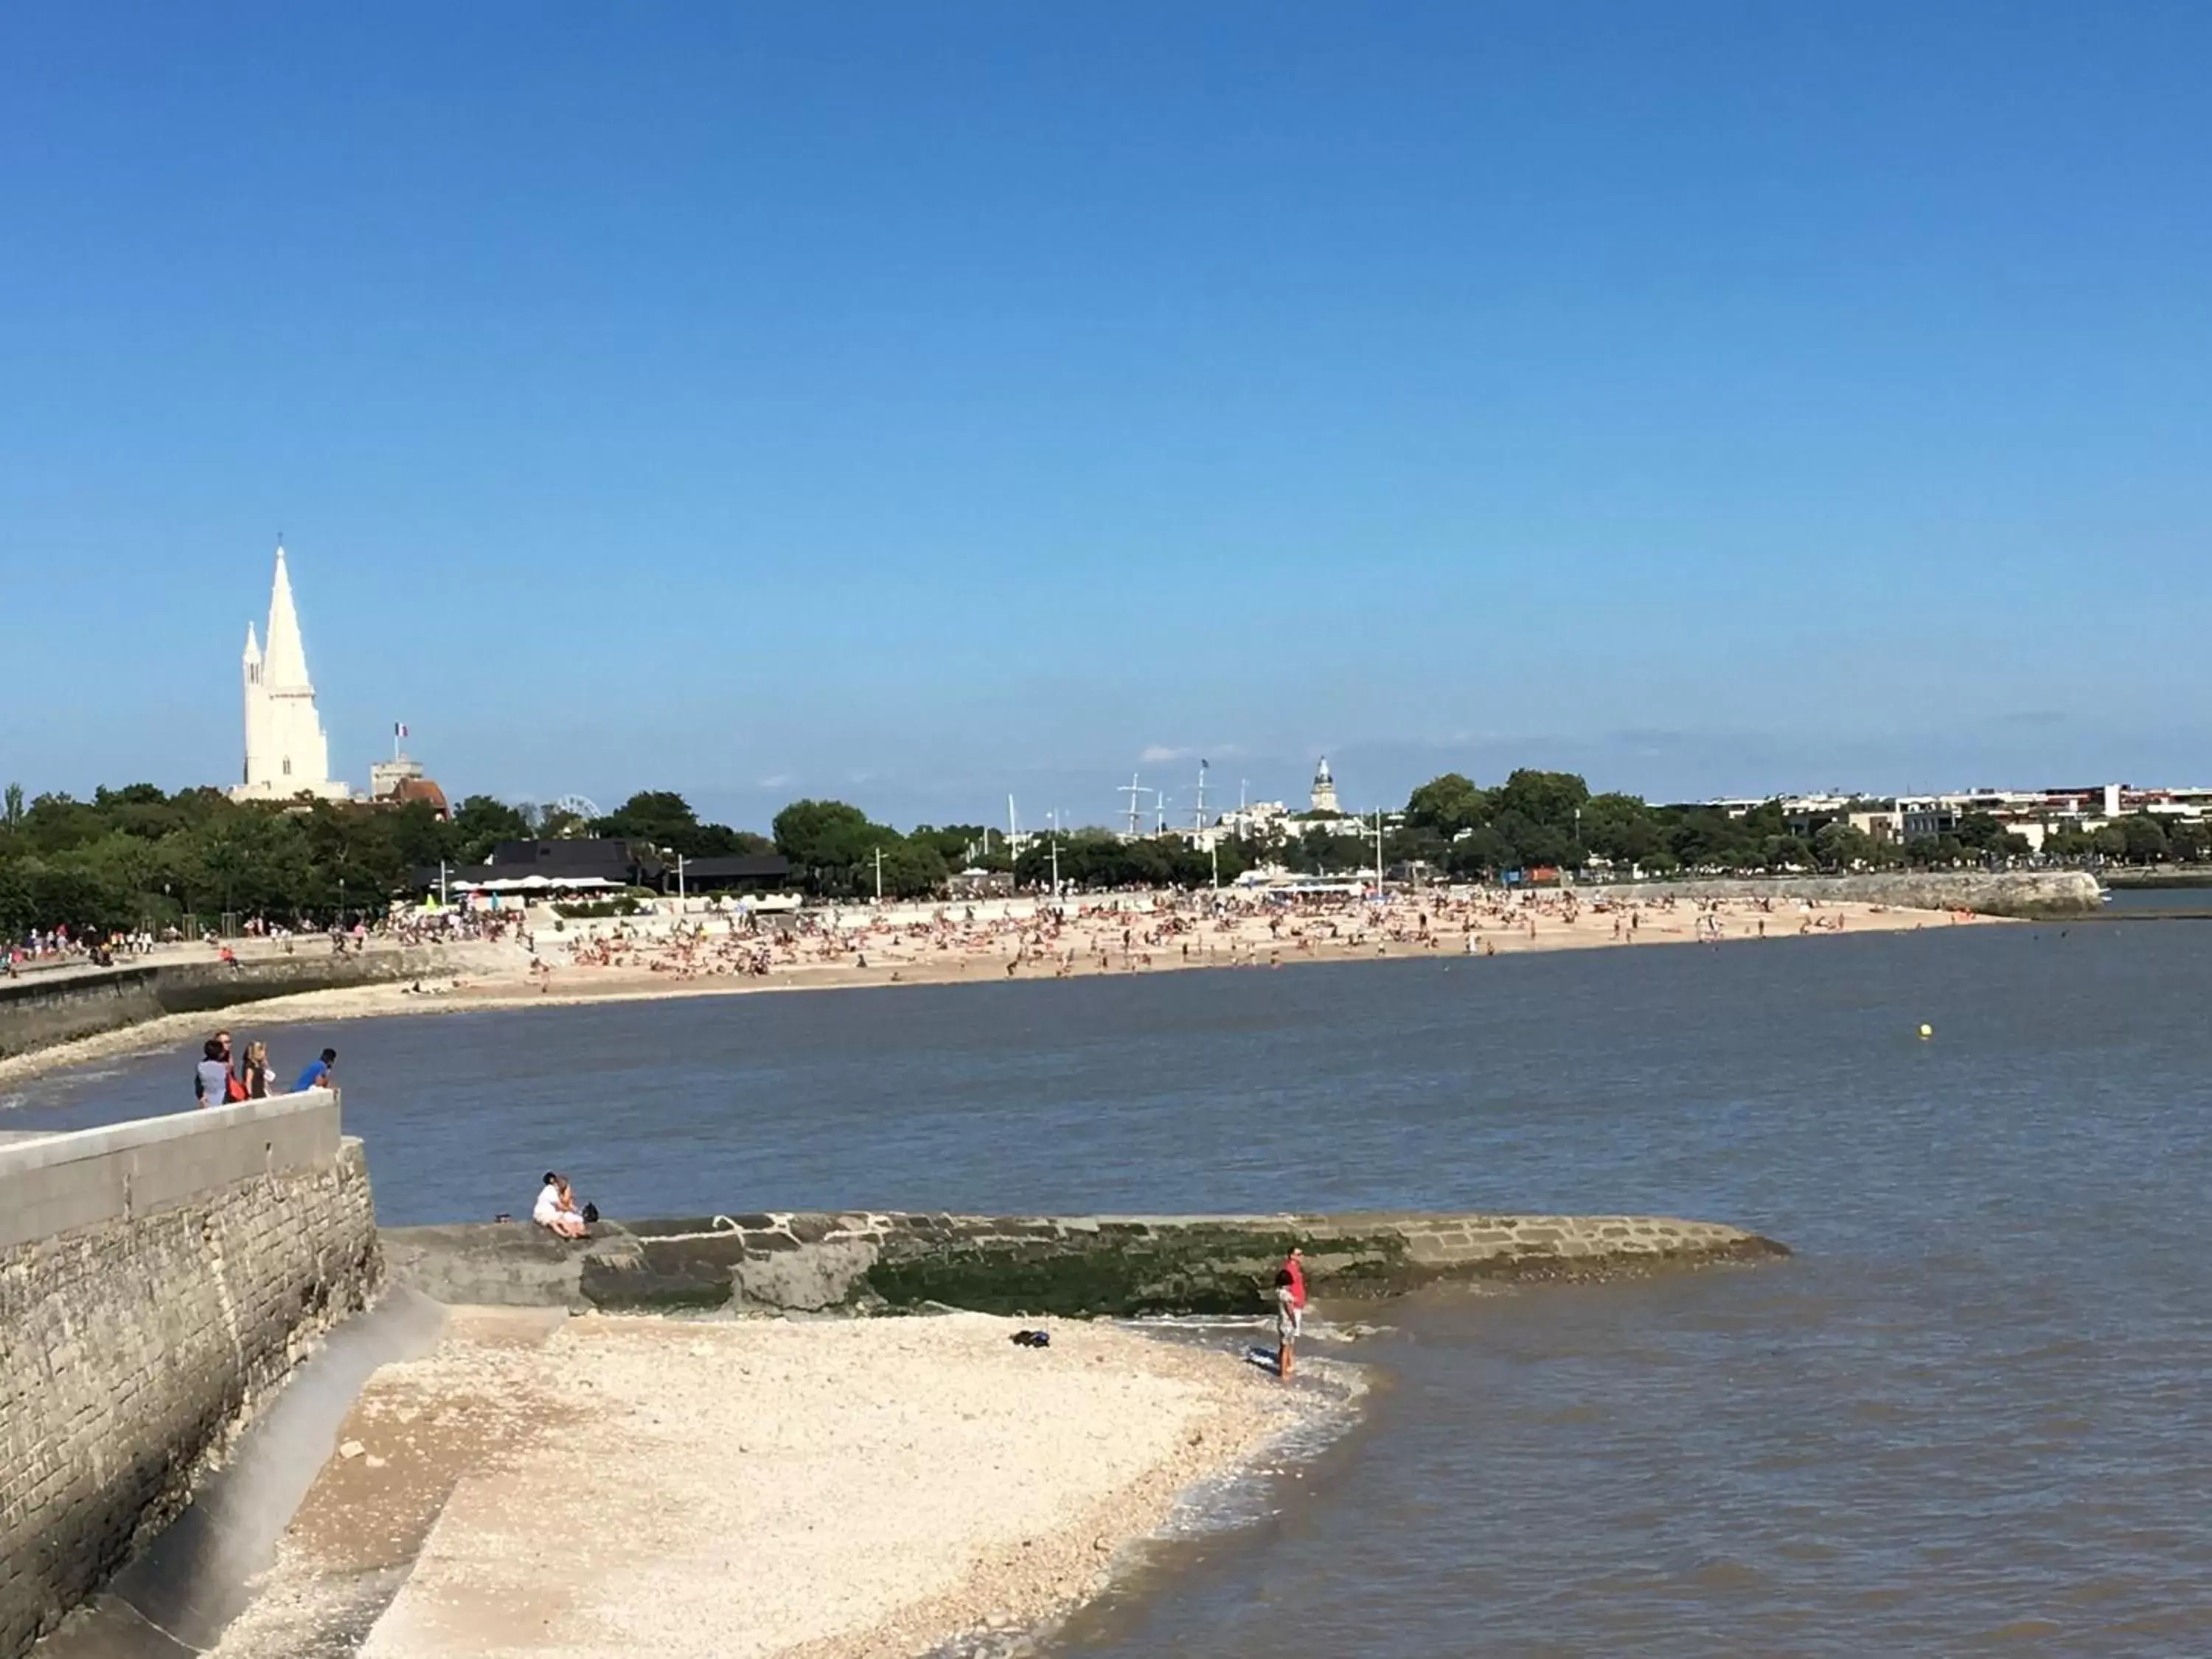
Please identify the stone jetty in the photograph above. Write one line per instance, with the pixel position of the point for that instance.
(873, 1262)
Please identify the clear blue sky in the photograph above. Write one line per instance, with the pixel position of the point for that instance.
(919, 403)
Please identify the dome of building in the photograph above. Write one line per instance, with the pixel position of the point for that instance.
(423, 789)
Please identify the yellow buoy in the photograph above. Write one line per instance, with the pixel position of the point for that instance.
(1927, 1031)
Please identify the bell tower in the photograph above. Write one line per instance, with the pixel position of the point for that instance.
(1324, 789)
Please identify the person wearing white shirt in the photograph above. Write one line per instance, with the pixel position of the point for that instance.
(554, 1211)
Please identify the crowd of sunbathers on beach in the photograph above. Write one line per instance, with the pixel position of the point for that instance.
(1061, 938)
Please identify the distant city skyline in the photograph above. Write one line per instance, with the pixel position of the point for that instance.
(915, 406)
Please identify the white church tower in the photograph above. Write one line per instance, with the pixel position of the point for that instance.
(286, 752)
(1324, 785)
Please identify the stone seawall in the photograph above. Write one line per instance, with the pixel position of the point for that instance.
(157, 1280)
(42, 1009)
(1111, 1266)
(2022, 893)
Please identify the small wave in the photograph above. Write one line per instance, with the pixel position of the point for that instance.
(1334, 1392)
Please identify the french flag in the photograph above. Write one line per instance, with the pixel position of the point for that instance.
(398, 730)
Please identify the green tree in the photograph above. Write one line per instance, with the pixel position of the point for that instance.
(1841, 845)
(660, 817)
(911, 868)
(18, 910)
(480, 823)
(1483, 854)
(1449, 805)
(1924, 850)
(1549, 799)
(1976, 831)
(2070, 842)
(2189, 840)
(822, 835)
(963, 846)
(1620, 827)
(2142, 838)
(55, 823)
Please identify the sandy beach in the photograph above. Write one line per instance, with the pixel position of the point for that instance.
(821, 1490)
(939, 944)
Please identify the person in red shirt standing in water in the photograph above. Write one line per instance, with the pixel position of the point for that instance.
(1294, 1264)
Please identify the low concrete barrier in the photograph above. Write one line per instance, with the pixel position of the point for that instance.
(1111, 1266)
(2023, 893)
(157, 1280)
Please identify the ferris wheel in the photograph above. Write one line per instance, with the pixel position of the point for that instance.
(578, 806)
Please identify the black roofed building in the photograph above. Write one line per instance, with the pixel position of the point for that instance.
(630, 863)
(584, 863)
(735, 872)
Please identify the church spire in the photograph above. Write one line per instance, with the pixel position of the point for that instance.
(285, 665)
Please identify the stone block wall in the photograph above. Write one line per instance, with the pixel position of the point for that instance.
(45, 1008)
(2024, 893)
(194, 1262)
(39, 1012)
(1032, 1265)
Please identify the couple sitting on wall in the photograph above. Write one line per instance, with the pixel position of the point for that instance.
(555, 1209)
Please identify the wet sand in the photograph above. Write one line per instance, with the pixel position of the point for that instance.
(820, 1490)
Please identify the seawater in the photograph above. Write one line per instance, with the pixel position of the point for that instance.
(1970, 1416)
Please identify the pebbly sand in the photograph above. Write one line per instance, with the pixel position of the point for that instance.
(822, 1490)
(892, 959)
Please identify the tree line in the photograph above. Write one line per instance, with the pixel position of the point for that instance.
(138, 857)
(1536, 819)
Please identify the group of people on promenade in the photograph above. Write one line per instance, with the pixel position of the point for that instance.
(62, 947)
(224, 1075)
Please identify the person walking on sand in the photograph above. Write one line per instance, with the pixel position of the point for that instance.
(1286, 1323)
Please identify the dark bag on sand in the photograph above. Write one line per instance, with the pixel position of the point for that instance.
(591, 1212)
